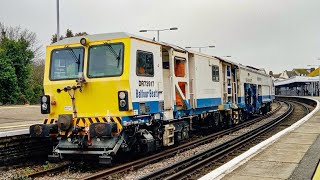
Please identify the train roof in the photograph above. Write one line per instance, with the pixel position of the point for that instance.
(120, 35)
(110, 36)
(254, 70)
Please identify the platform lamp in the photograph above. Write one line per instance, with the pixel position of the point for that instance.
(200, 47)
(158, 31)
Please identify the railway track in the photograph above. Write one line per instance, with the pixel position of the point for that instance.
(171, 152)
(184, 168)
(51, 170)
(153, 158)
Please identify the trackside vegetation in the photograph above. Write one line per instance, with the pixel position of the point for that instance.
(22, 65)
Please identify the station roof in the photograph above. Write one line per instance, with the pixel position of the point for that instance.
(296, 80)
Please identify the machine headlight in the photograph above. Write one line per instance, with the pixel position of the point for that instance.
(123, 100)
(44, 99)
(122, 103)
(45, 104)
(84, 41)
(122, 95)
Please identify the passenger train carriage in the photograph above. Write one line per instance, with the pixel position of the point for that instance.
(114, 92)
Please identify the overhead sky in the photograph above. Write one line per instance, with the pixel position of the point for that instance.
(272, 34)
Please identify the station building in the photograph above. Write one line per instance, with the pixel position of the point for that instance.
(298, 86)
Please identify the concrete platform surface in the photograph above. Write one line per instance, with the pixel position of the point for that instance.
(14, 118)
(294, 156)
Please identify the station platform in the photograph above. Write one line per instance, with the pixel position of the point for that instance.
(293, 153)
(15, 120)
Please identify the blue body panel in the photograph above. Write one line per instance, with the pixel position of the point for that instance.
(207, 102)
(153, 105)
(203, 105)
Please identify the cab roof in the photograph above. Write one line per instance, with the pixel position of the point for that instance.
(111, 36)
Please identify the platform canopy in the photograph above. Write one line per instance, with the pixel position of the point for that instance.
(297, 80)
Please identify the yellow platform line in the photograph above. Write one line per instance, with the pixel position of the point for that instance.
(316, 175)
(15, 126)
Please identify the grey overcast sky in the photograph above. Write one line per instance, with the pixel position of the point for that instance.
(272, 34)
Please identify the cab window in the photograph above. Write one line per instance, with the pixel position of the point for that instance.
(105, 60)
(215, 73)
(144, 64)
(66, 63)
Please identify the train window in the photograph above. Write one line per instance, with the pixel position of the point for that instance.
(66, 63)
(215, 73)
(179, 67)
(105, 60)
(144, 64)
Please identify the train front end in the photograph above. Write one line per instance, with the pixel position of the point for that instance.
(86, 85)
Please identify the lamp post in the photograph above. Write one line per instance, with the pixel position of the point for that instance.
(200, 47)
(158, 31)
(58, 22)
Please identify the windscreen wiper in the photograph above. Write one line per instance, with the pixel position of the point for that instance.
(117, 56)
(74, 56)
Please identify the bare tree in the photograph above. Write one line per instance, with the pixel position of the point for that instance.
(16, 33)
(68, 34)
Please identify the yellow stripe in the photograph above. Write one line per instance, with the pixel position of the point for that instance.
(118, 123)
(316, 175)
(86, 120)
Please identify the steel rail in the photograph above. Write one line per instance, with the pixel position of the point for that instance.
(51, 170)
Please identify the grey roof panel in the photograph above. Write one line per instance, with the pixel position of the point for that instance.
(94, 37)
(109, 36)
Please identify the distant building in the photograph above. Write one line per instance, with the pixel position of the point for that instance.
(298, 86)
(302, 72)
(276, 75)
(290, 74)
(314, 73)
(287, 74)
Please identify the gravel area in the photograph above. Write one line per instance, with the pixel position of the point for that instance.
(66, 175)
(22, 172)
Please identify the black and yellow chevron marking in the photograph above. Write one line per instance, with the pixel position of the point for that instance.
(49, 121)
(86, 121)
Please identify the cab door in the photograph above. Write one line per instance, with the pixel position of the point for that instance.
(175, 81)
(146, 78)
